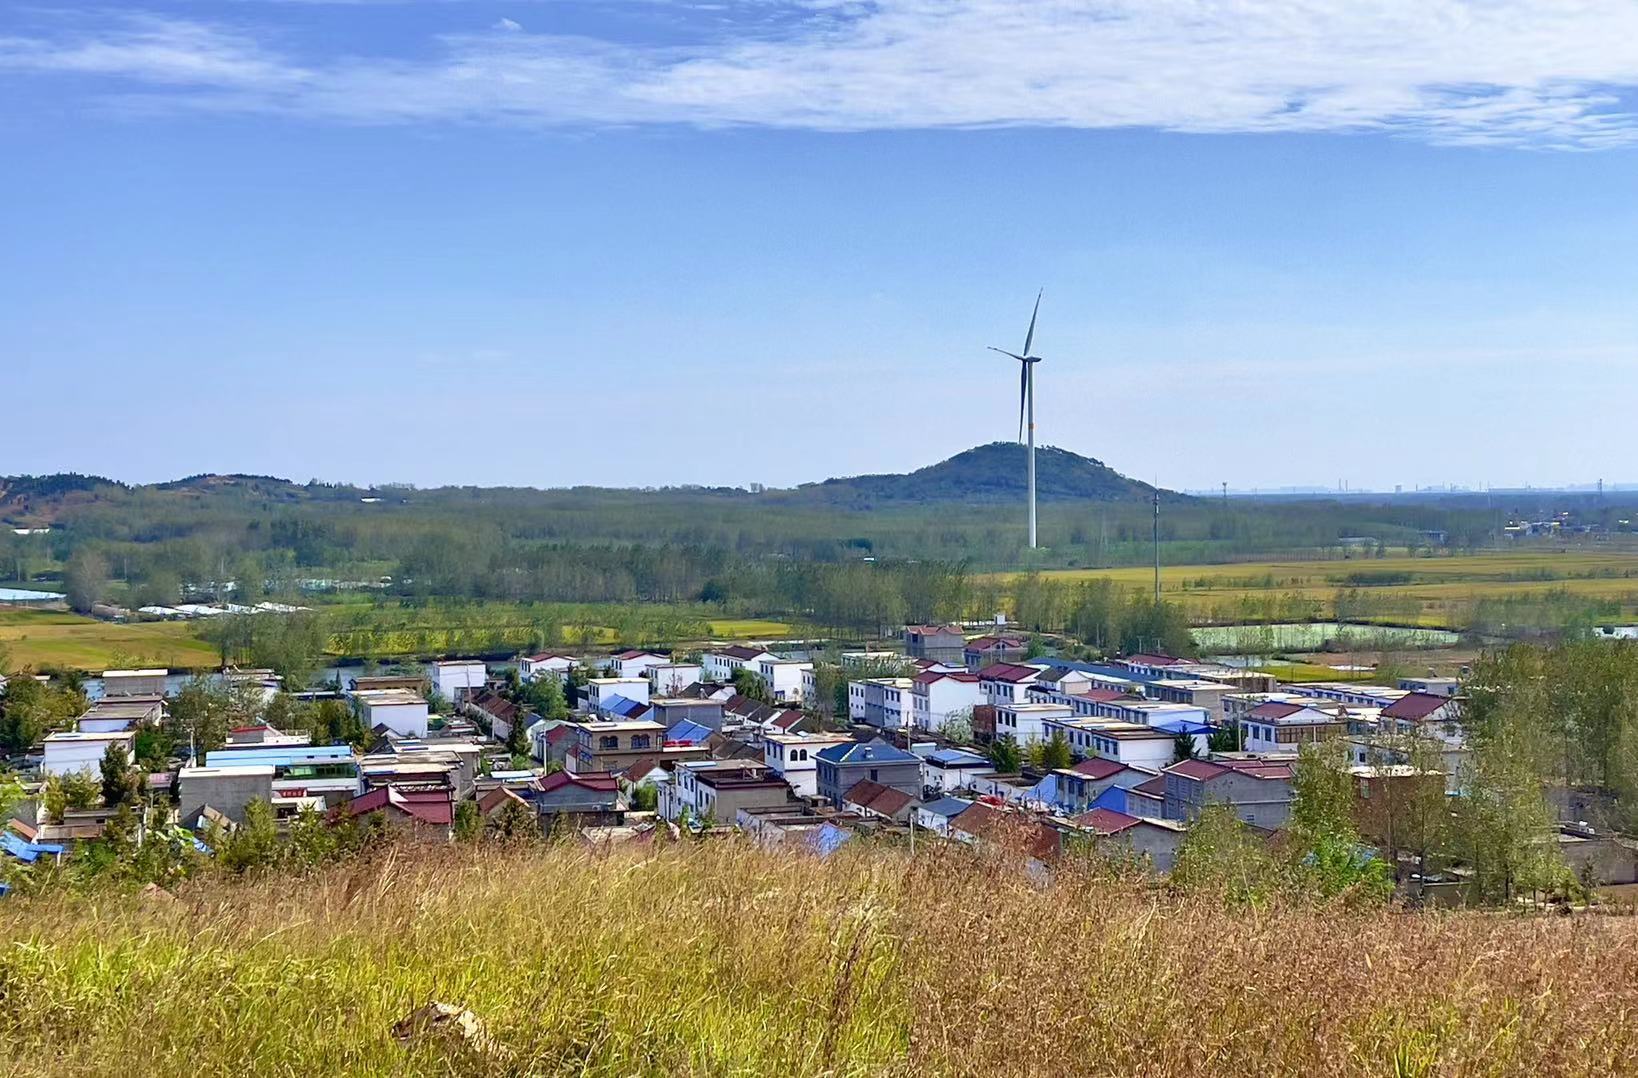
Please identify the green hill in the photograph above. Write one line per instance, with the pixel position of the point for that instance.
(994, 472)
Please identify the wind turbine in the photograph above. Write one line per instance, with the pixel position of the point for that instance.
(1026, 403)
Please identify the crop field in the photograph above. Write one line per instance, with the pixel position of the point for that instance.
(36, 638)
(720, 958)
(1442, 591)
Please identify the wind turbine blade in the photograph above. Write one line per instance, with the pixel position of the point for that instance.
(1029, 338)
(1023, 388)
(1004, 352)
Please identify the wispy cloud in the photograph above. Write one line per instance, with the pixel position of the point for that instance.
(1509, 72)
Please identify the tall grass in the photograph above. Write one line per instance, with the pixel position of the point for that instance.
(723, 959)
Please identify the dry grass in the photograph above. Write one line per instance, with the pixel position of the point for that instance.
(725, 960)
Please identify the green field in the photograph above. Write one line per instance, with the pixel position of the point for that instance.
(36, 638)
(1442, 591)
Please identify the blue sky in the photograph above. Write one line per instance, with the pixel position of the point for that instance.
(641, 242)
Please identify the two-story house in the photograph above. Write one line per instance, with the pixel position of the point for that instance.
(840, 766)
(940, 643)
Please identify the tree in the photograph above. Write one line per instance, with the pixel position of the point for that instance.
(311, 840)
(85, 578)
(1055, 754)
(1183, 747)
(468, 822)
(1223, 739)
(121, 783)
(255, 843)
(1005, 756)
(514, 821)
(958, 727)
(1325, 842)
(30, 710)
(749, 683)
(1220, 854)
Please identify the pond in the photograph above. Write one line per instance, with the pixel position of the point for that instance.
(1313, 636)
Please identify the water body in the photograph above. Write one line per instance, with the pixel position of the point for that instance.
(19, 595)
(1316, 635)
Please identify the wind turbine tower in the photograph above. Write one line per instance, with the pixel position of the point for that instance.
(1026, 404)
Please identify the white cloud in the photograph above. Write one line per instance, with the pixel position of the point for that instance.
(1533, 72)
(508, 25)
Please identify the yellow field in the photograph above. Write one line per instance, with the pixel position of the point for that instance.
(37, 638)
(749, 629)
(1433, 591)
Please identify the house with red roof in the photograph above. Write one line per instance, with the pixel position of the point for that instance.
(1284, 726)
(1154, 841)
(1007, 683)
(587, 798)
(938, 696)
(869, 798)
(940, 643)
(545, 664)
(420, 811)
(1259, 791)
(1085, 782)
(988, 650)
(632, 664)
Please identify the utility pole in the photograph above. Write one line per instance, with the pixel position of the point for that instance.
(1157, 546)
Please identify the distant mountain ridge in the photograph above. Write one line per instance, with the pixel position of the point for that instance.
(985, 473)
(994, 472)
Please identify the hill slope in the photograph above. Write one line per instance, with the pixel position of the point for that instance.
(994, 472)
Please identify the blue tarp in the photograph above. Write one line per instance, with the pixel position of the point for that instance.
(1113, 798)
(620, 705)
(688, 732)
(24, 850)
(830, 838)
(1046, 790)
(1185, 726)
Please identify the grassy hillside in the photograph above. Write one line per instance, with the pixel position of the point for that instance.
(720, 959)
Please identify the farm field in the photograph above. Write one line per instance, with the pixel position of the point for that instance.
(36, 638)
(1438, 592)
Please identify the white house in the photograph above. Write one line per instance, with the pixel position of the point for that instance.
(783, 677)
(952, 769)
(399, 710)
(457, 679)
(547, 662)
(883, 702)
(669, 679)
(600, 690)
(936, 697)
(1283, 727)
(794, 756)
(66, 753)
(629, 664)
(134, 682)
(1026, 723)
(1132, 744)
(723, 663)
(1007, 683)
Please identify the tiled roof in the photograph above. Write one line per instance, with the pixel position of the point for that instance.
(1009, 672)
(1275, 709)
(1149, 659)
(587, 780)
(928, 677)
(877, 798)
(872, 752)
(1155, 787)
(1106, 821)
(1102, 696)
(1098, 768)
(739, 651)
(1415, 706)
(991, 643)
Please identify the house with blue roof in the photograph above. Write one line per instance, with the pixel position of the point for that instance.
(16, 846)
(952, 769)
(936, 815)
(839, 767)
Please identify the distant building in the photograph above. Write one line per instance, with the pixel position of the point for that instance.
(783, 678)
(547, 663)
(454, 681)
(67, 753)
(399, 710)
(795, 758)
(723, 663)
(633, 664)
(937, 697)
(134, 682)
(988, 650)
(941, 643)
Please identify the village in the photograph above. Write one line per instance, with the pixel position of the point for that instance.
(951, 737)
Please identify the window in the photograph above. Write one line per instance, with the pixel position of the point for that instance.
(607, 742)
(873, 774)
(639, 741)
